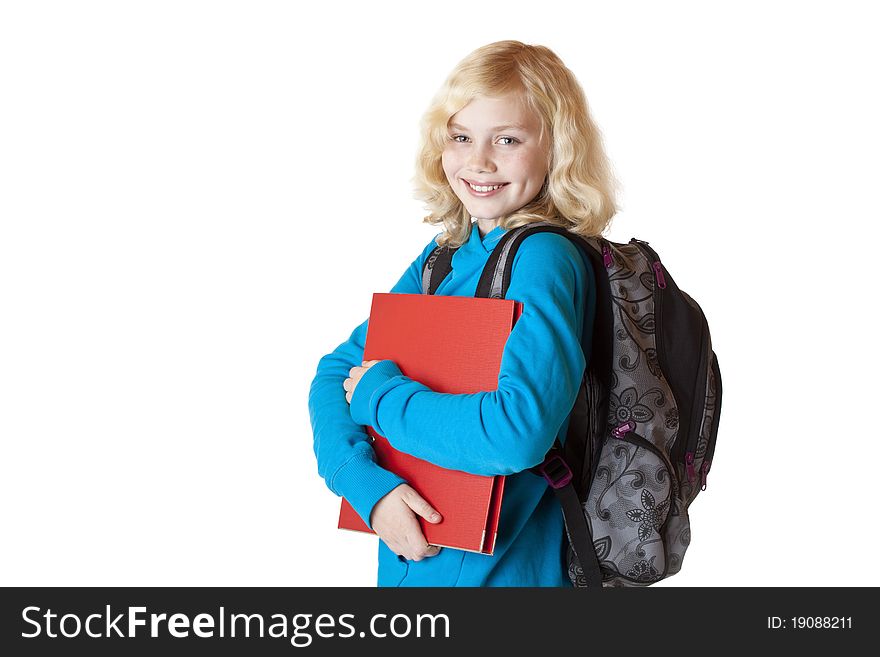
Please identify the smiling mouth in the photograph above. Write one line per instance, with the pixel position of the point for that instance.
(484, 189)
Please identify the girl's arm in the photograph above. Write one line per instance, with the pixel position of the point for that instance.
(509, 429)
(346, 459)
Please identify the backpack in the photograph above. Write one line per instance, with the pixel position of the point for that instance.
(642, 430)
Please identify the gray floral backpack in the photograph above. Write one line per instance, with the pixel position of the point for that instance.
(642, 431)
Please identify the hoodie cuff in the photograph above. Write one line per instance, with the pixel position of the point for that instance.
(362, 404)
(363, 483)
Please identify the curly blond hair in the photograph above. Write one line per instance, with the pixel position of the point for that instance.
(580, 191)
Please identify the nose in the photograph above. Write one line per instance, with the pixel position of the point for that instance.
(480, 159)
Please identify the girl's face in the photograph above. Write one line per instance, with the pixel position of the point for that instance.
(492, 142)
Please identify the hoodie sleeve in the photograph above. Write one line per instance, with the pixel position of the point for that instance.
(346, 459)
(510, 429)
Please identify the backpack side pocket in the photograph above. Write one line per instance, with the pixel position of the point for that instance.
(628, 505)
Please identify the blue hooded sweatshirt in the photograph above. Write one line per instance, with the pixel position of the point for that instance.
(504, 431)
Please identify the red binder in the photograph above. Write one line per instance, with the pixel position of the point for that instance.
(454, 345)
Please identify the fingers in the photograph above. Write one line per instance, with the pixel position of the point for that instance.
(354, 375)
(420, 506)
(412, 545)
(394, 519)
(416, 555)
(432, 551)
(349, 384)
(424, 552)
(419, 547)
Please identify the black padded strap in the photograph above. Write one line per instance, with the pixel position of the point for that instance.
(494, 282)
(576, 450)
(495, 278)
(437, 266)
(579, 534)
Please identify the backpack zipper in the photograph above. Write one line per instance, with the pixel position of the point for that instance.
(607, 260)
(699, 394)
(620, 432)
(654, 261)
(710, 448)
(684, 450)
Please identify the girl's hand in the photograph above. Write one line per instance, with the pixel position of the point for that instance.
(394, 520)
(355, 374)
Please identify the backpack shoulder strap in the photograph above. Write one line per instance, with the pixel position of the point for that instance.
(556, 467)
(495, 278)
(437, 266)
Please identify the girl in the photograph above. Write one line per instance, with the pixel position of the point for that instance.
(508, 140)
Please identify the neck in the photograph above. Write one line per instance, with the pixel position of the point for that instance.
(486, 226)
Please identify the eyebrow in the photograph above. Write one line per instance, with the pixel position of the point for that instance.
(497, 128)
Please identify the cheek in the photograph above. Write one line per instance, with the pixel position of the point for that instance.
(532, 168)
(538, 167)
(448, 161)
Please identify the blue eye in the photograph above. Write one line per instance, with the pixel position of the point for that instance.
(461, 139)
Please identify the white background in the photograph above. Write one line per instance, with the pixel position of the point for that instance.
(199, 198)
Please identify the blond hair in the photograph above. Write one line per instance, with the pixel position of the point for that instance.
(579, 193)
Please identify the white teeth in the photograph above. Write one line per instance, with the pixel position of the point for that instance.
(483, 188)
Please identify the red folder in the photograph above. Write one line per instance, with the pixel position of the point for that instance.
(453, 345)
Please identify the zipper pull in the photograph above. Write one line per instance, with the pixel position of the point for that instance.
(658, 272)
(703, 472)
(626, 427)
(689, 462)
(606, 256)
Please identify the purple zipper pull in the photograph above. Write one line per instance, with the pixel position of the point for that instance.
(658, 272)
(626, 427)
(606, 256)
(689, 462)
(703, 472)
